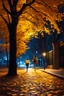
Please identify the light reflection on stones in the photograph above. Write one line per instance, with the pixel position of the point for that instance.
(31, 84)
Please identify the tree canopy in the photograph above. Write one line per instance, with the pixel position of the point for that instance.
(31, 20)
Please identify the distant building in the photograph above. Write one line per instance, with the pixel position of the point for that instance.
(61, 54)
(55, 57)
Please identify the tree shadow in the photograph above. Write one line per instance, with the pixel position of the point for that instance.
(10, 85)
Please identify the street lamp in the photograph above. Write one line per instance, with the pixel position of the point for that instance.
(44, 55)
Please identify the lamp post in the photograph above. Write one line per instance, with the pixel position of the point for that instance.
(44, 55)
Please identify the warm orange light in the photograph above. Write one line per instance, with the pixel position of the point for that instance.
(44, 54)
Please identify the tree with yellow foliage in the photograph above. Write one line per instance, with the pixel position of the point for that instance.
(23, 18)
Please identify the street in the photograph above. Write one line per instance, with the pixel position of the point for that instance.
(30, 83)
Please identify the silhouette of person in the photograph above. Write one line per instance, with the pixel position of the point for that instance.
(27, 63)
(35, 61)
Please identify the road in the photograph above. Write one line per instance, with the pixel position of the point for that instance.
(31, 83)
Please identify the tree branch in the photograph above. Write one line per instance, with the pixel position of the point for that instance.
(15, 2)
(40, 12)
(30, 21)
(10, 4)
(31, 15)
(5, 8)
(4, 20)
(8, 18)
(24, 6)
(36, 18)
(27, 4)
(46, 5)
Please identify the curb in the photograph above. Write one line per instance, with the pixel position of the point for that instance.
(59, 76)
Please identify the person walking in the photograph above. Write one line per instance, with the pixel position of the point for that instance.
(27, 63)
(35, 61)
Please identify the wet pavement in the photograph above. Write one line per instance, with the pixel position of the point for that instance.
(31, 83)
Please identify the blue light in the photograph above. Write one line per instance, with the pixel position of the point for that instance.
(36, 51)
(5, 58)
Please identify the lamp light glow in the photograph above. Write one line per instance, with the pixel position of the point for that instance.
(44, 54)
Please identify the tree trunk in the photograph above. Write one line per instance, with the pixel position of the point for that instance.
(13, 65)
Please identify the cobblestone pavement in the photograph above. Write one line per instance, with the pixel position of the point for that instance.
(31, 83)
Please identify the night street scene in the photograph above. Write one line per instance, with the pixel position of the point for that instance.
(31, 47)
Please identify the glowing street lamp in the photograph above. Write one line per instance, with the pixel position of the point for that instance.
(44, 55)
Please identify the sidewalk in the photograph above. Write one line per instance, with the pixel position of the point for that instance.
(30, 83)
(56, 72)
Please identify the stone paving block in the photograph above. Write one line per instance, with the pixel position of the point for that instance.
(31, 83)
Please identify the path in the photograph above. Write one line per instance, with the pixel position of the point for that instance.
(31, 83)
